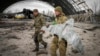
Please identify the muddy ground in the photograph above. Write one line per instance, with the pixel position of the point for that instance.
(16, 39)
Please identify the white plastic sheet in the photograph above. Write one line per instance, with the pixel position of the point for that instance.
(66, 31)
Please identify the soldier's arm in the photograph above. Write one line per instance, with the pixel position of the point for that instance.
(43, 21)
(54, 22)
(32, 25)
(64, 19)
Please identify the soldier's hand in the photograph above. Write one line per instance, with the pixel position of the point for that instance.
(47, 25)
(42, 31)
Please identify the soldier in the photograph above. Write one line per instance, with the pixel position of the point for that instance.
(57, 42)
(39, 21)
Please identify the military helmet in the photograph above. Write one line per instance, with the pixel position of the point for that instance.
(58, 8)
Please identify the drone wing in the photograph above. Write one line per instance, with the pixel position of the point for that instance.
(72, 37)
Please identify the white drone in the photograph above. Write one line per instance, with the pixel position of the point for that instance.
(66, 31)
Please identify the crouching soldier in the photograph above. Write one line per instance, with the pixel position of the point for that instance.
(57, 42)
(39, 21)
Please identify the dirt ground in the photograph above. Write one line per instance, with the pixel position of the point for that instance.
(18, 41)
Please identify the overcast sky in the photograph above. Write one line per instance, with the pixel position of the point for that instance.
(91, 3)
(94, 4)
(43, 7)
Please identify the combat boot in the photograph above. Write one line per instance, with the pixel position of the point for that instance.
(45, 46)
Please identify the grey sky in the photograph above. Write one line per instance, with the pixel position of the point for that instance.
(94, 4)
(41, 6)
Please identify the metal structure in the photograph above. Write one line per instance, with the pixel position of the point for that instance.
(71, 7)
(84, 13)
(77, 9)
(79, 5)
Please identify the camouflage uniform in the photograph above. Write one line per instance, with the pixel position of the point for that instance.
(57, 42)
(39, 21)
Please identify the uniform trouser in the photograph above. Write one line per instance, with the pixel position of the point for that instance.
(61, 44)
(38, 38)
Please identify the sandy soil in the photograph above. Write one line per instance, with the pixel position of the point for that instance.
(18, 41)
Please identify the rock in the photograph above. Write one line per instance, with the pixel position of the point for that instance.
(23, 52)
(82, 38)
(0, 54)
(69, 54)
(98, 54)
(94, 39)
(94, 35)
(74, 51)
(84, 31)
(42, 52)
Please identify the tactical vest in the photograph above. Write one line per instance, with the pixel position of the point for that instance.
(39, 21)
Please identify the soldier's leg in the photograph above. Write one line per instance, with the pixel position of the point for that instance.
(62, 47)
(54, 46)
(36, 41)
(40, 39)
